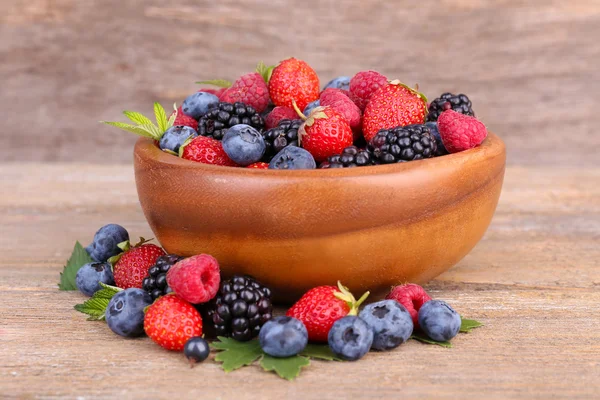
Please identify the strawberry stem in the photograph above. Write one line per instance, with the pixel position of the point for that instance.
(300, 114)
(345, 295)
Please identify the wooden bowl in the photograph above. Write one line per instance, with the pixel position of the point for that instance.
(370, 227)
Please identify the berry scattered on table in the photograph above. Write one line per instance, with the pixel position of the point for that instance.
(460, 132)
(125, 312)
(401, 144)
(350, 338)
(448, 101)
(283, 337)
(433, 128)
(175, 137)
(293, 80)
(363, 85)
(390, 321)
(155, 283)
(195, 279)
(133, 265)
(350, 157)
(218, 120)
(309, 107)
(341, 82)
(198, 104)
(206, 150)
(89, 276)
(279, 114)
(249, 89)
(106, 240)
(244, 144)
(412, 297)
(171, 321)
(439, 321)
(196, 350)
(283, 135)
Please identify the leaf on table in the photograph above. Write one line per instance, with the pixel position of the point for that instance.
(79, 257)
(234, 354)
(319, 351)
(95, 306)
(466, 325)
(287, 368)
(424, 339)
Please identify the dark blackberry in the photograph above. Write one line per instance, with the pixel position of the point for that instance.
(459, 103)
(350, 157)
(215, 123)
(404, 143)
(240, 308)
(283, 135)
(156, 281)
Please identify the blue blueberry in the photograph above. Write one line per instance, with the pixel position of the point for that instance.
(350, 338)
(438, 320)
(244, 144)
(341, 82)
(89, 276)
(198, 104)
(196, 350)
(105, 242)
(125, 312)
(391, 323)
(433, 128)
(283, 337)
(292, 157)
(175, 137)
(311, 106)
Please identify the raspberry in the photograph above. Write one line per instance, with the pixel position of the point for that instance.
(336, 99)
(278, 114)
(363, 85)
(195, 279)
(217, 92)
(249, 89)
(460, 132)
(412, 297)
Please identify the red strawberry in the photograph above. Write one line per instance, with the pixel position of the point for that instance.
(325, 132)
(295, 80)
(250, 89)
(460, 132)
(133, 264)
(278, 114)
(393, 105)
(195, 279)
(171, 321)
(336, 99)
(259, 165)
(412, 297)
(363, 85)
(184, 120)
(217, 92)
(206, 150)
(320, 307)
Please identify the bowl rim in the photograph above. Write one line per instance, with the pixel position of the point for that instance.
(492, 146)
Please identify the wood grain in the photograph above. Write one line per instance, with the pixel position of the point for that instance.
(533, 280)
(530, 67)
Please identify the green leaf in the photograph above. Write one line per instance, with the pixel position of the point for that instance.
(319, 351)
(216, 82)
(130, 128)
(79, 257)
(137, 118)
(466, 325)
(161, 118)
(424, 339)
(95, 306)
(287, 368)
(153, 130)
(265, 71)
(236, 354)
(173, 116)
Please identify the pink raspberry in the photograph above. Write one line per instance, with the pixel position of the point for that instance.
(195, 279)
(363, 85)
(279, 113)
(217, 92)
(250, 89)
(184, 120)
(336, 99)
(411, 296)
(460, 132)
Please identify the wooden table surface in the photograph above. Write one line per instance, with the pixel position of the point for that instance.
(533, 281)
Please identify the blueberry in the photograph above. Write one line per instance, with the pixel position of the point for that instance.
(391, 323)
(199, 104)
(433, 128)
(125, 312)
(311, 106)
(175, 137)
(350, 338)
(341, 82)
(105, 242)
(196, 350)
(244, 144)
(292, 157)
(90, 275)
(438, 320)
(283, 337)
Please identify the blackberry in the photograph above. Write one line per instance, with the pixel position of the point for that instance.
(156, 281)
(240, 308)
(350, 157)
(459, 103)
(283, 135)
(404, 143)
(218, 120)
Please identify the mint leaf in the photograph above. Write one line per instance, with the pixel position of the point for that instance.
(236, 354)
(161, 117)
(265, 71)
(424, 339)
(173, 116)
(287, 368)
(137, 118)
(466, 325)
(216, 82)
(79, 257)
(319, 351)
(95, 306)
(138, 130)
